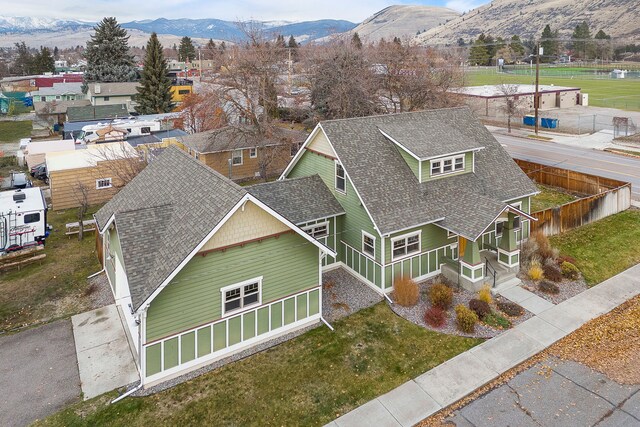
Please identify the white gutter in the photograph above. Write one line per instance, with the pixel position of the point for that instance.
(326, 323)
(133, 390)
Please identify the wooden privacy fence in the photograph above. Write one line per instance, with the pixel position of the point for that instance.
(603, 197)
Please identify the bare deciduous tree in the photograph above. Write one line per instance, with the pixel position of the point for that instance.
(513, 105)
(121, 161)
(81, 194)
(201, 112)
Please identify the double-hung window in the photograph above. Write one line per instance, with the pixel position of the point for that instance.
(236, 157)
(253, 153)
(341, 178)
(242, 295)
(436, 167)
(368, 244)
(406, 245)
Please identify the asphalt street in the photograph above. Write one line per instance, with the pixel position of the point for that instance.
(582, 160)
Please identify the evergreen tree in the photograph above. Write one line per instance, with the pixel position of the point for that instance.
(43, 62)
(56, 53)
(603, 45)
(154, 93)
(397, 41)
(223, 46)
(280, 41)
(490, 44)
(24, 59)
(293, 44)
(461, 42)
(516, 46)
(478, 55)
(186, 51)
(355, 41)
(548, 43)
(107, 54)
(582, 40)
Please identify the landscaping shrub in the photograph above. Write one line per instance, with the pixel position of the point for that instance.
(497, 321)
(435, 317)
(465, 318)
(528, 250)
(441, 296)
(548, 287)
(570, 271)
(544, 246)
(567, 258)
(535, 271)
(510, 308)
(552, 272)
(484, 294)
(480, 308)
(405, 292)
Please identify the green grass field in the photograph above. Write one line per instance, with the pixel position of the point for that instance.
(11, 131)
(307, 381)
(549, 197)
(613, 93)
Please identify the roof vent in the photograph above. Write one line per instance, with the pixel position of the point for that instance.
(97, 89)
(19, 196)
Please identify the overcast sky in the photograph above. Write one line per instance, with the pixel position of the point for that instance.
(263, 10)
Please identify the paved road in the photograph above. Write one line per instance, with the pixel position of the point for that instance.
(38, 373)
(578, 159)
(555, 393)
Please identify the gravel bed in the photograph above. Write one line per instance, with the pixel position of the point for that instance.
(568, 289)
(460, 296)
(99, 291)
(343, 295)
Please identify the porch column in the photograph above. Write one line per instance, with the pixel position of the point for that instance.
(508, 252)
(471, 265)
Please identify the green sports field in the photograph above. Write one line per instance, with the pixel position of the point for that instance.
(613, 93)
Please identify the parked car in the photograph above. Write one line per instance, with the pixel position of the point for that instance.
(39, 171)
(19, 180)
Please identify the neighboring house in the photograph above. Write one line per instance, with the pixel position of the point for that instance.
(36, 151)
(181, 89)
(489, 100)
(57, 110)
(113, 94)
(100, 112)
(59, 92)
(200, 268)
(97, 171)
(238, 153)
(419, 189)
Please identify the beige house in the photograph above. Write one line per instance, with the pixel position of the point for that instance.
(113, 94)
(239, 154)
(489, 100)
(94, 172)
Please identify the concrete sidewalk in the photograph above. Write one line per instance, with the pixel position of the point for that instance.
(449, 382)
(599, 140)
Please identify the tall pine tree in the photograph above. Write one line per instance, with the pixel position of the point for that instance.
(186, 51)
(43, 62)
(355, 41)
(107, 54)
(154, 93)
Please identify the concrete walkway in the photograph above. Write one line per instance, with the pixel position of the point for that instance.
(105, 361)
(456, 378)
(527, 299)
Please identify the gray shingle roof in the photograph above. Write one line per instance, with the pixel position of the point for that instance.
(237, 137)
(93, 112)
(392, 193)
(114, 88)
(163, 214)
(430, 135)
(300, 199)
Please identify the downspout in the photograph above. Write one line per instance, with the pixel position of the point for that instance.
(139, 386)
(130, 392)
(326, 323)
(95, 274)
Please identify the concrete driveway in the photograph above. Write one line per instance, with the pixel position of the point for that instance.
(38, 373)
(555, 393)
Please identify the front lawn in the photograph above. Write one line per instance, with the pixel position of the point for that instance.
(604, 248)
(309, 380)
(549, 197)
(12, 131)
(56, 287)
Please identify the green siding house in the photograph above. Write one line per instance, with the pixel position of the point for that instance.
(423, 193)
(201, 268)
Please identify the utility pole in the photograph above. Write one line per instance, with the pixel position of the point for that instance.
(536, 96)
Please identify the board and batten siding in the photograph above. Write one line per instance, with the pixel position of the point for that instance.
(287, 263)
(350, 226)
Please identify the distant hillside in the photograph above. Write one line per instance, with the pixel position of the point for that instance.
(403, 21)
(527, 18)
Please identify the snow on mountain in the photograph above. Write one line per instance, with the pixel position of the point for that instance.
(19, 24)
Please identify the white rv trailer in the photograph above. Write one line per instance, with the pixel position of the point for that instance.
(134, 127)
(23, 219)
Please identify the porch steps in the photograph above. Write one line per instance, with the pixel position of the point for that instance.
(508, 284)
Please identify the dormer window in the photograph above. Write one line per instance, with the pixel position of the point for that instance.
(447, 165)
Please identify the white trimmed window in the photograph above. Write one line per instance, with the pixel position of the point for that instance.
(103, 183)
(236, 157)
(341, 178)
(241, 295)
(517, 221)
(368, 244)
(317, 230)
(253, 153)
(406, 245)
(447, 165)
(500, 226)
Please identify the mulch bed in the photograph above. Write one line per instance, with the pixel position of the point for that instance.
(415, 314)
